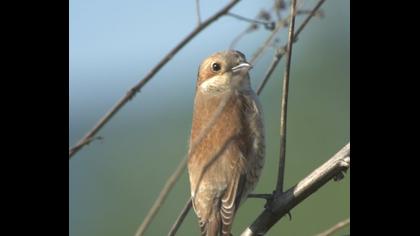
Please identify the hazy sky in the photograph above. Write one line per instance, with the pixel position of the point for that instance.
(114, 43)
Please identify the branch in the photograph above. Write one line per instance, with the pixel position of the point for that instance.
(284, 102)
(180, 218)
(335, 227)
(283, 203)
(132, 92)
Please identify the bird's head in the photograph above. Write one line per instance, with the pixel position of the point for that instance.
(223, 71)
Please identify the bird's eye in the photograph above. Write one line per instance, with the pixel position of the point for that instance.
(216, 66)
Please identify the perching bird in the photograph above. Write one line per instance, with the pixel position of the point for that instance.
(227, 148)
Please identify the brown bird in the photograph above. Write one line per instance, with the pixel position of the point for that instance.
(226, 153)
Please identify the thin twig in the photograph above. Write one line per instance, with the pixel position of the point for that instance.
(130, 94)
(267, 24)
(311, 14)
(180, 218)
(283, 203)
(279, 25)
(284, 101)
(252, 27)
(319, 13)
(335, 227)
(276, 58)
(197, 5)
(279, 55)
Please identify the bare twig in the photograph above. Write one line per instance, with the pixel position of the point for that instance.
(130, 94)
(279, 25)
(252, 27)
(311, 14)
(180, 218)
(278, 56)
(319, 13)
(283, 203)
(197, 5)
(284, 101)
(267, 24)
(335, 227)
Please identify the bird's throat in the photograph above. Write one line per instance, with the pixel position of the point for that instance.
(215, 84)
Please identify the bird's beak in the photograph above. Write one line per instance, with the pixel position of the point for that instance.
(242, 66)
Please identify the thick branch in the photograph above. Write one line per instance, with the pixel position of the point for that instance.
(130, 94)
(283, 203)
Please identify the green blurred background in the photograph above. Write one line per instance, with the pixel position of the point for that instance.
(114, 182)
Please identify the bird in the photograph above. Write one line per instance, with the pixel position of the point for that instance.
(226, 146)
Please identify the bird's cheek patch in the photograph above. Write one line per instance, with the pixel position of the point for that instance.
(216, 83)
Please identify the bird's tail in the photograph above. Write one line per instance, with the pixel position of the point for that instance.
(212, 227)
